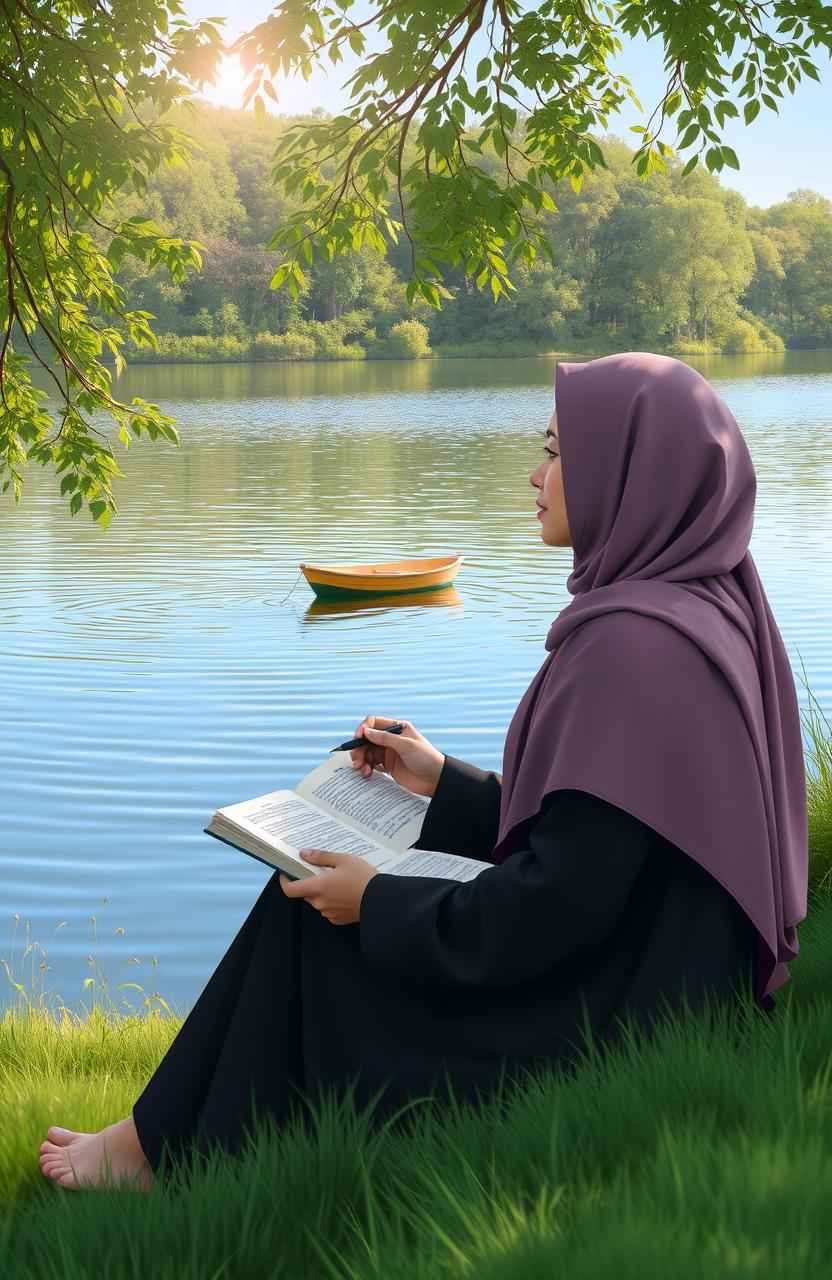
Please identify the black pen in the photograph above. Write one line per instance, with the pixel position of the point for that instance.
(365, 742)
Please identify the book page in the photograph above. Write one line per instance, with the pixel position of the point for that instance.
(283, 820)
(426, 862)
(376, 807)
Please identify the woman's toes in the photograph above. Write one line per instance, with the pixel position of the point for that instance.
(95, 1160)
(68, 1179)
(62, 1137)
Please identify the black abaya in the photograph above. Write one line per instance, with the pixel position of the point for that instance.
(444, 981)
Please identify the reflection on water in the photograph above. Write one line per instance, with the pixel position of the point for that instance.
(440, 598)
(179, 661)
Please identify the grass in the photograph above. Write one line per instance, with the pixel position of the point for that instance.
(699, 1148)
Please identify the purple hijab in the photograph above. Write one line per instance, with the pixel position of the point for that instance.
(667, 689)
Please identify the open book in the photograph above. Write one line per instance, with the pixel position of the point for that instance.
(335, 807)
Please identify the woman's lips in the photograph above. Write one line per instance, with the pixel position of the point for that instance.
(540, 510)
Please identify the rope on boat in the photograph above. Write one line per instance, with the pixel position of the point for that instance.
(297, 580)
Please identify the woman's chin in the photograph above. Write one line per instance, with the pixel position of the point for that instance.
(551, 541)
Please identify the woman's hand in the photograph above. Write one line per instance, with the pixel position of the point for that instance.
(337, 895)
(409, 758)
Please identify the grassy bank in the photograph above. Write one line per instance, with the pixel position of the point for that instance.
(293, 348)
(699, 1149)
(351, 337)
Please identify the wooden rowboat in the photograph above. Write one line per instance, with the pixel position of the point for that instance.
(342, 581)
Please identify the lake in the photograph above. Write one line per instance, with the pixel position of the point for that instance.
(178, 661)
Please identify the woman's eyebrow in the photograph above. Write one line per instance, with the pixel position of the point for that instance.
(552, 434)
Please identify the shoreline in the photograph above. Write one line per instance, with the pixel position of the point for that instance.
(591, 354)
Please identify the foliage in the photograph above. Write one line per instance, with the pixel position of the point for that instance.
(409, 338)
(611, 286)
(745, 333)
(283, 346)
(82, 90)
(794, 251)
(202, 348)
(453, 210)
(103, 189)
(625, 274)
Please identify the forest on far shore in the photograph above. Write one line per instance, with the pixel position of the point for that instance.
(670, 263)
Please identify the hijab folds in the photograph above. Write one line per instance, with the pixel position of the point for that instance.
(667, 689)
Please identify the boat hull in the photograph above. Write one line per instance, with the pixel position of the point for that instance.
(397, 577)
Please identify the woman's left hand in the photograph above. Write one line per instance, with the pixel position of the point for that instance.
(336, 894)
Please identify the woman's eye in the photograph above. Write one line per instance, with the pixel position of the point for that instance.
(549, 453)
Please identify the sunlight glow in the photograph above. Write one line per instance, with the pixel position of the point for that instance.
(229, 87)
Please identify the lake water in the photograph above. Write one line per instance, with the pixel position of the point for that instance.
(178, 661)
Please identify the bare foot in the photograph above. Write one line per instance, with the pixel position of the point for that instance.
(79, 1161)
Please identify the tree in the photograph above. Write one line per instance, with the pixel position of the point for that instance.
(761, 296)
(235, 272)
(357, 278)
(80, 82)
(535, 313)
(802, 231)
(703, 264)
(540, 88)
(462, 162)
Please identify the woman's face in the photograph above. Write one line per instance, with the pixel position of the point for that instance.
(548, 478)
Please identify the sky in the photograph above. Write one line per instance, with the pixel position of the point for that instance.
(777, 152)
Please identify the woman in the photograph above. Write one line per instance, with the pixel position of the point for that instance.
(648, 834)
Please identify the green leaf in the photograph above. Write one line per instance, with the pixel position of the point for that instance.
(280, 275)
(688, 136)
(483, 69)
(368, 161)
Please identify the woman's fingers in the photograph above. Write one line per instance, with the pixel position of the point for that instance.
(371, 757)
(360, 753)
(366, 759)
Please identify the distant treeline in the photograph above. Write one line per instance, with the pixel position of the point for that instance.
(679, 264)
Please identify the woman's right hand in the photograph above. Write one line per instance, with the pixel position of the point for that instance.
(408, 757)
